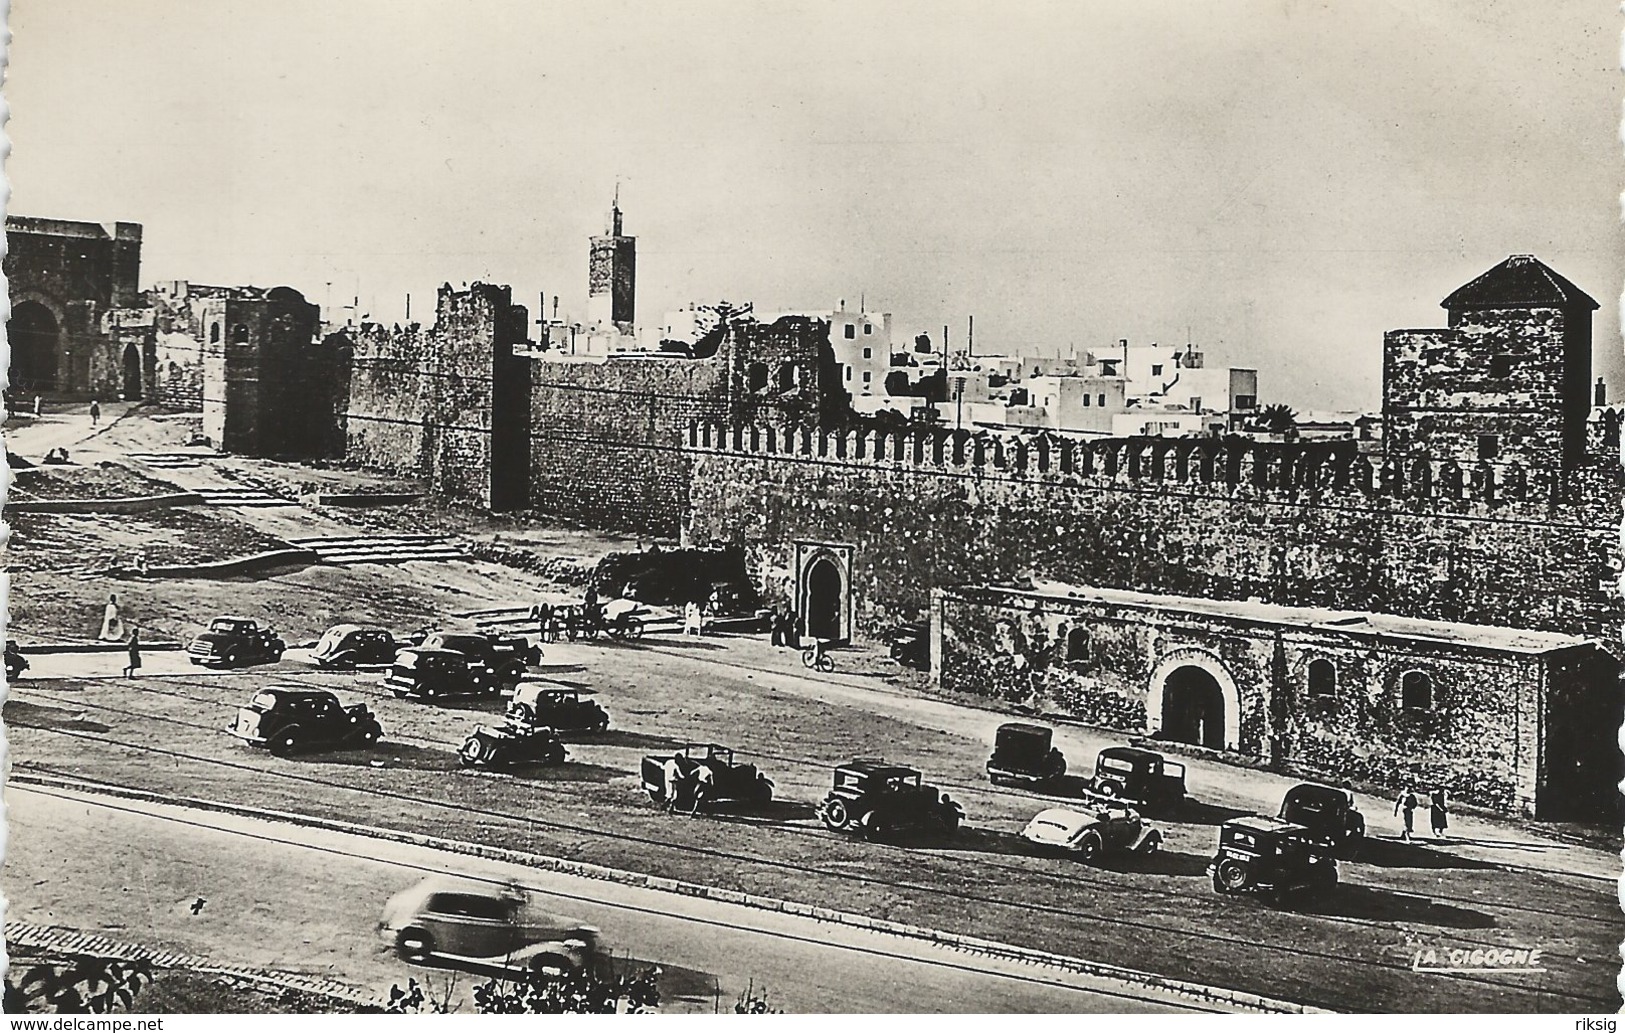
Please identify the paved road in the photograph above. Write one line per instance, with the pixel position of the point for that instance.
(293, 899)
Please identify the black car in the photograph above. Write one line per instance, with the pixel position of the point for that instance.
(504, 657)
(235, 642)
(16, 663)
(432, 673)
(511, 743)
(1140, 776)
(346, 646)
(911, 645)
(1023, 755)
(1271, 857)
(729, 781)
(1326, 811)
(876, 799)
(557, 706)
(288, 719)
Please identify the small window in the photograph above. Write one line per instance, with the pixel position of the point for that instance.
(1077, 645)
(758, 376)
(1086, 401)
(851, 331)
(1322, 679)
(1246, 401)
(868, 328)
(239, 334)
(868, 353)
(1500, 366)
(1103, 401)
(1416, 691)
(214, 333)
(467, 905)
(867, 376)
(849, 372)
(1156, 370)
(1489, 446)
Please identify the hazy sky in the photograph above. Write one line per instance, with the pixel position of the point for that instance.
(1284, 181)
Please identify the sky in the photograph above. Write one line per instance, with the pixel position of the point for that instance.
(1279, 182)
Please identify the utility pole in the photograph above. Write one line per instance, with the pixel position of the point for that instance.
(970, 336)
(408, 307)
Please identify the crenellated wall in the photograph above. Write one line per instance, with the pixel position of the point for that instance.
(1300, 524)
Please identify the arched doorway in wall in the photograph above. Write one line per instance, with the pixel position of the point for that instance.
(36, 345)
(823, 605)
(1193, 708)
(132, 373)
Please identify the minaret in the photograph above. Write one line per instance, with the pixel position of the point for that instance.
(612, 274)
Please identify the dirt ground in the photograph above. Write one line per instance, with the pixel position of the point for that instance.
(100, 480)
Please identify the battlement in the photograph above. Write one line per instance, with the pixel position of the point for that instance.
(1296, 472)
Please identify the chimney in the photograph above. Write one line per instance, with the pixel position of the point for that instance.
(1601, 396)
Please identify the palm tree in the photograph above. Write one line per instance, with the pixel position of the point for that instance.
(1276, 419)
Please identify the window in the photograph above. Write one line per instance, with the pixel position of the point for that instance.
(1416, 691)
(1086, 401)
(1500, 366)
(1322, 679)
(758, 376)
(239, 334)
(1077, 645)
(1489, 446)
(867, 376)
(868, 353)
(467, 905)
(849, 372)
(851, 332)
(1103, 401)
(214, 333)
(1156, 370)
(868, 328)
(1246, 401)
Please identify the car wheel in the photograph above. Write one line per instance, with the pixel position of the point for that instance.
(471, 752)
(276, 654)
(762, 792)
(1232, 876)
(521, 713)
(1107, 789)
(836, 815)
(1089, 847)
(286, 741)
(231, 659)
(602, 724)
(554, 756)
(414, 945)
(372, 733)
(1151, 844)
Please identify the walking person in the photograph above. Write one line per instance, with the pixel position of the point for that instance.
(705, 782)
(135, 654)
(1440, 812)
(1407, 804)
(674, 777)
(36, 406)
(792, 636)
(95, 413)
(112, 622)
(775, 627)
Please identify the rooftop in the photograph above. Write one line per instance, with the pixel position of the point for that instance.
(1522, 281)
(1375, 625)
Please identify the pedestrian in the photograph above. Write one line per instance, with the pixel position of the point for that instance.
(691, 618)
(141, 564)
(674, 777)
(36, 406)
(112, 622)
(1407, 804)
(705, 780)
(775, 627)
(135, 654)
(1440, 815)
(792, 633)
(95, 412)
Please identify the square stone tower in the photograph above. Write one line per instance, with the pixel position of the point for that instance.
(1508, 380)
(612, 276)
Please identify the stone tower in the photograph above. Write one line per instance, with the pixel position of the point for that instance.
(612, 276)
(1509, 380)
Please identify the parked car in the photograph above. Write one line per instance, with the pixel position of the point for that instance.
(504, 657)
(1271, 857)
(1326, 811)
(16, 663)
(1023, 756)
(1139, 776)
(346, 646)
(561, 707)
(488, 929)
(731, 782)
(911, 645)
(1091, 832)
(287, 719)
(511, 743)
(236, 642)
(432, 673)
(875, 799)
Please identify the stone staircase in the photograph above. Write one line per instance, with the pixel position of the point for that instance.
(171, 460)
(241, 497)
(382, 548)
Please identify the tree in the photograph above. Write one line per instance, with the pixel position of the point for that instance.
(713, 322)
(1276, 419)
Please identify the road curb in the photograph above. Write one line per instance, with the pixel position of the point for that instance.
(583, 869)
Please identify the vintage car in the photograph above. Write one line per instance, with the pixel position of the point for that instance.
(911, 645)
(346, 646)
(285, 719)
(16, 663)
(432, 673)
(1023, 756)
(491, 930)
(235, 642)
(1271, 857)
(1090, 832)
(509, 743)
(557, 706)
(1326, 811)
(730, 782)
(876, 799)
(504, 657)
(1139, 776)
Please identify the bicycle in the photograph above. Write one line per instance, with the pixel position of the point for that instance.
(814, 657)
